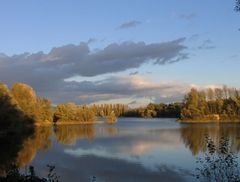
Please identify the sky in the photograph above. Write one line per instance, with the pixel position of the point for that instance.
(133, 52)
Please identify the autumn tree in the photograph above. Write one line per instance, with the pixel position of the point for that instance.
(37, 108)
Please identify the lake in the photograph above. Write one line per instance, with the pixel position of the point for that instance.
(134, 149)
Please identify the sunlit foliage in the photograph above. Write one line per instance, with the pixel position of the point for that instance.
(105, 110)
(37, 108)
(71, 112)
(213, 104)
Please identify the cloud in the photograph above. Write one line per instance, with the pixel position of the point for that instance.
(47, 72)
(194, 37)
(91, 40)
(206, 44)
(129, 24)
(187, 17)
(133, 73)
(120, 89)
(71, 60)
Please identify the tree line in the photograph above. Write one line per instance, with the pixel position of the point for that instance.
(152, 110)
(22, 103)
(216, 104)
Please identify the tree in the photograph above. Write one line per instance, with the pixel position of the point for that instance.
(26, 98)
(34, 107)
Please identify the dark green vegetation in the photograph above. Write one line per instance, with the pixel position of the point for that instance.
(217, 105)
(156, 111)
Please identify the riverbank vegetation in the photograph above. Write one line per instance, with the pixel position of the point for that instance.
(212, 105)
(22, 103)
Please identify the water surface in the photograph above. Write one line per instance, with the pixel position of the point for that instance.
(134, 149)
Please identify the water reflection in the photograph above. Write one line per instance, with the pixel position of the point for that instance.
(11, 143)
(20, 148)
(121, 153)
(40, 140)
(219, 163)
(194, 136)
(69, 134)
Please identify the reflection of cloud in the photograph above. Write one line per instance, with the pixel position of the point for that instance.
(146, 151)
(149, 164)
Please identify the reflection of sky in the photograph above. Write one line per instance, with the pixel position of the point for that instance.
(150, 153)
(151, 148)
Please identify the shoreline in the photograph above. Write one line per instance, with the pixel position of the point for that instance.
(74, 123)
(202, 121)
(51, 123)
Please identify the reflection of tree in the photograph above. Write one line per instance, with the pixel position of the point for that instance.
(68, 134)
(218, 164)
(20, 148)
(10, 146)
(39, 141)
(194, 136)
(109, 131)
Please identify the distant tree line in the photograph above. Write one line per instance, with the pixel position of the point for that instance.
(216, 104)
(161, 110)
(104, 110)
(71, 112)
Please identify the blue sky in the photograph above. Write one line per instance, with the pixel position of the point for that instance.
(209, 28)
